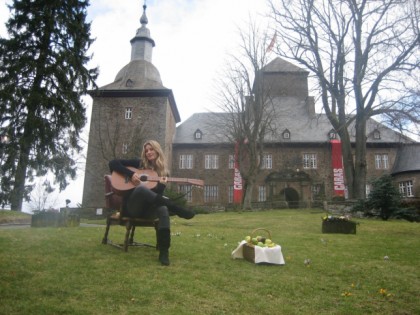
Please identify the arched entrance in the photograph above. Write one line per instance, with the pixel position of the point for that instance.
(290, 186)
(291, 196)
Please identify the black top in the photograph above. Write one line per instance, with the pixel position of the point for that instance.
(120, 166)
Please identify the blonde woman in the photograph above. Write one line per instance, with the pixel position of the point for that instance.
(142, 202)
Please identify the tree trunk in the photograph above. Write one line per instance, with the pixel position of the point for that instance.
(347, 162)
(247, 204)
(359, 184)
(18, 191)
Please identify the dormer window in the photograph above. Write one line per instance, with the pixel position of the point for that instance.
(198, 134)
(376, 134)
(332, 134)
(286, 134)
(129, 83)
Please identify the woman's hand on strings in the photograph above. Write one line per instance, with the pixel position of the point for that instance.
(135, 179)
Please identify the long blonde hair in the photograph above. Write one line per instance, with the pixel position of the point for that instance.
(160, 163)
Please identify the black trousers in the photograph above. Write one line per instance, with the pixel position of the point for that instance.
(140, 204)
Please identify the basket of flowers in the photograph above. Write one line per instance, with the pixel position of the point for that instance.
(338, 224)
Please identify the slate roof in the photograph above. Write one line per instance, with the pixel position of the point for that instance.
(280, 65)
(292, 113)
(302, 128)
(408, 159)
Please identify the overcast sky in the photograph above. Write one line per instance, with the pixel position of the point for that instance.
(193, 39)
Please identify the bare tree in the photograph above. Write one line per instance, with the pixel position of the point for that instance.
(42, 196)
(364, 55)
(246, 102)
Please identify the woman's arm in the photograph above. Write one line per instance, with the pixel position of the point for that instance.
(120, 166)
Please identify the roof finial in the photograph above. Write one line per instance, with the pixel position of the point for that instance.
(143, 19)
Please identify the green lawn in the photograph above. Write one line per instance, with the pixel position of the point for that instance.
(69, 271)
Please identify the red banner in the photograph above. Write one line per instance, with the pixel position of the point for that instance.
(337, 166)
(237, 178)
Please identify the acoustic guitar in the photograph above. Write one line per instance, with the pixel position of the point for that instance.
(148, 178)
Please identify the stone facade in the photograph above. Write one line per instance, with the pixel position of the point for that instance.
(115, 135)
(286, 180)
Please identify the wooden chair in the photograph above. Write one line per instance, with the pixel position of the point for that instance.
(114, 203)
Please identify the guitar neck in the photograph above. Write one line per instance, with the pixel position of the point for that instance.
(177, 180)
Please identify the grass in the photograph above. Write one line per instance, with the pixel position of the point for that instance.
(69, 271)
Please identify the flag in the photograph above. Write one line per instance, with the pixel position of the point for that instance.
(237, 178)
(338, 170)
(273, 41)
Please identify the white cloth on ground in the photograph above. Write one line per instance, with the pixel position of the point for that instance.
(271, 255)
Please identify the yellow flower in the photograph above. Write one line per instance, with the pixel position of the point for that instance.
(345, 293)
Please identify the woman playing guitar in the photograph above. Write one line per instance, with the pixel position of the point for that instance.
(143, 202)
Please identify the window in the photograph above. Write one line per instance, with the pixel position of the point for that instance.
(267, 162)
(230, 194)
(381, 161)
(316, 190)
(286, 134)
(129, 83)
(309, 160)
(376, 134)
(125, 148)
(211, 193)
(186, 190)
(211, 161)
(332, 134)
(186, 161)
(231, 162)
(262, 193)
(198, 134)
(128, 112)
(406, 188)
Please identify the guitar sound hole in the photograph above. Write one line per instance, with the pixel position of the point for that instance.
(143, 178)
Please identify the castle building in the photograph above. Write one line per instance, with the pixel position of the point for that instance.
(299, 163)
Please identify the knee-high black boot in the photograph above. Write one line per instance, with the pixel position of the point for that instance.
(164, 242)
(179, 211)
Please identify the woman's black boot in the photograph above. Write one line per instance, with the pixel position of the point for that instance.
(164, 242)
(175, 209)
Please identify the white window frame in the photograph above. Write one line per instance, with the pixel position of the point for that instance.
(406, 188)
(186, 190)
(197, 135)
(211, 193)
(267, 162)
(262, 193)
(185, 161)
(230, 194)
(125, 147)
(381, 161)
(231, 162)
(309, 161)
(211, 161)
(128, 112)
(316, 190)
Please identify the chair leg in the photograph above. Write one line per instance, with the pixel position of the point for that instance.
(127, 235)
(133, 229)
(108, 224)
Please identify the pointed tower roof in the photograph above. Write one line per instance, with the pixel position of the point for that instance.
(139, 73)
(139, 78)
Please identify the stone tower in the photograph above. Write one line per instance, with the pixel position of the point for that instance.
(125, 113)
